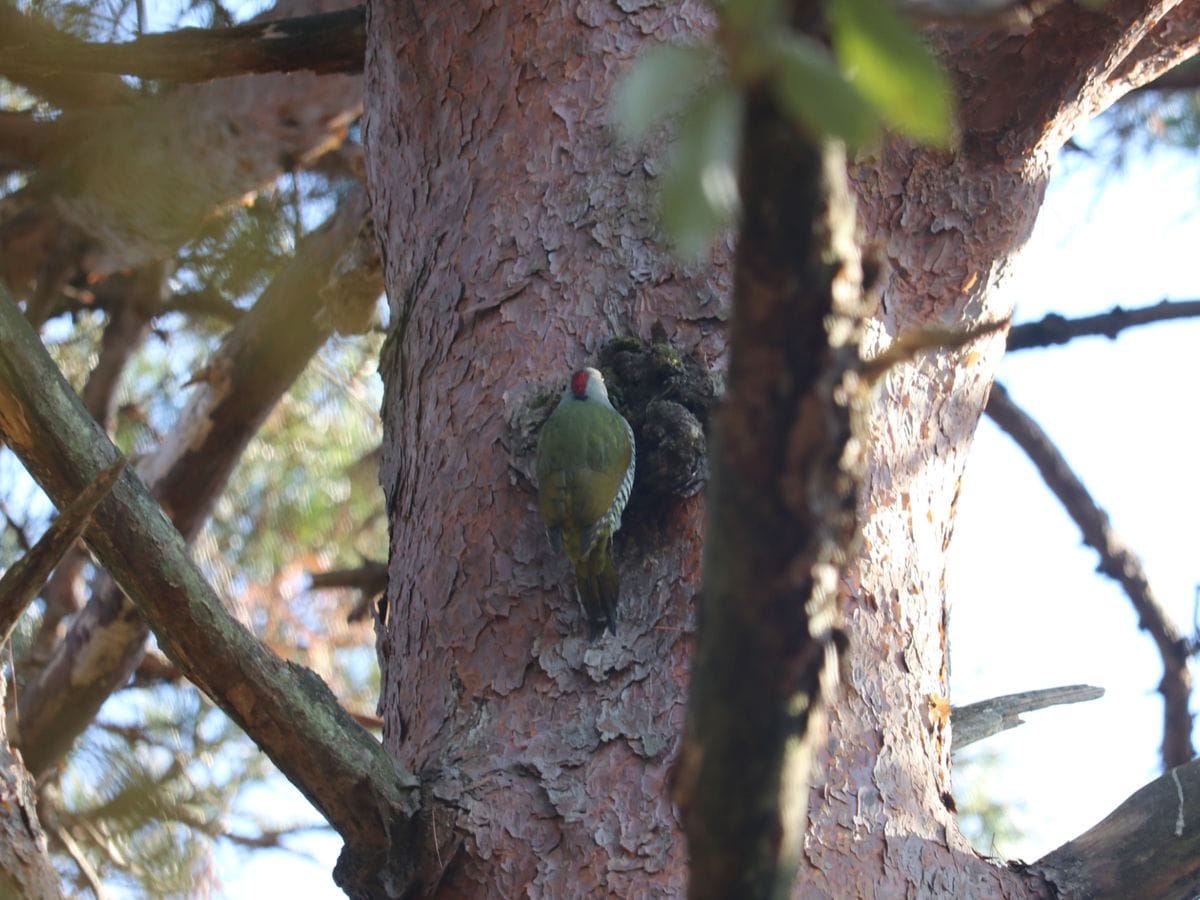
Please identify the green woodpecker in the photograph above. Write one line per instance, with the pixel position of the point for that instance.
(585, 470)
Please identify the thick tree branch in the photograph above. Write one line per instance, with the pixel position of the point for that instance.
(1148, 847)
(1118, 562)
(324, 43)
(1124, 44)
(287, 710)
(1054, 329)
(256, 364)
(976, 721)
(25, 867)
(67, 91)
(1172, 41)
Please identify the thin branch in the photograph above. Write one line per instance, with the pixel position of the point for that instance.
(86, 869)
(204, 302)
(284, 708)
(155, 669)
(24, 544)
(976, 721)
(324, 43)
(1118, 562)
(25, 578)
(1055, 329)
(134, 296)
(1184, 77)
(369, 579)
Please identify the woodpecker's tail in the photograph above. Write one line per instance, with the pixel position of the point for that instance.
(599, 588)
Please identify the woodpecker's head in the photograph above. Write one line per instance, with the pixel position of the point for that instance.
(587, 384)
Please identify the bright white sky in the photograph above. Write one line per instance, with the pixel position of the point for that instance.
(1028, 609)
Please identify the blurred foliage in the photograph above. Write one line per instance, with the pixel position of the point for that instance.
(162, 776)
(879, 73)
(988, 825)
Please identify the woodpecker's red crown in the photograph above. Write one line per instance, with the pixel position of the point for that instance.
(579, 384)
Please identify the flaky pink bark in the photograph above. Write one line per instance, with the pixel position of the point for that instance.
(519, 236)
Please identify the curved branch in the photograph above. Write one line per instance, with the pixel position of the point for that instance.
(1118, 562)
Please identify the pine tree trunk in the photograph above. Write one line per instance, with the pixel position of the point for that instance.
(519, 237)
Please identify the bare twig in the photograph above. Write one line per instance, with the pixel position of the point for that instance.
(1116, 561)
(25, 578)
(977, 721)
(1055, 329)
(369, 579)
(323, 43)
(86, 869)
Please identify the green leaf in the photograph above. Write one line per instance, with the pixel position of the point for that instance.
(699, 194)
(809, 86)
(658, 85)
(892, 66)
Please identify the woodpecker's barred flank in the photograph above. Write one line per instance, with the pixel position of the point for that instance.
(585, 468)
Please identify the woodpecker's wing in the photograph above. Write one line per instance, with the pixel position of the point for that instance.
(585, 458)
(616, 484)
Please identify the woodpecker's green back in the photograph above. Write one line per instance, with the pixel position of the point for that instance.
(585, 471)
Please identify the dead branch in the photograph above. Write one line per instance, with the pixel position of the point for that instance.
(976, 721)
(1118, 562)
(324, 43)
(1054, 329)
